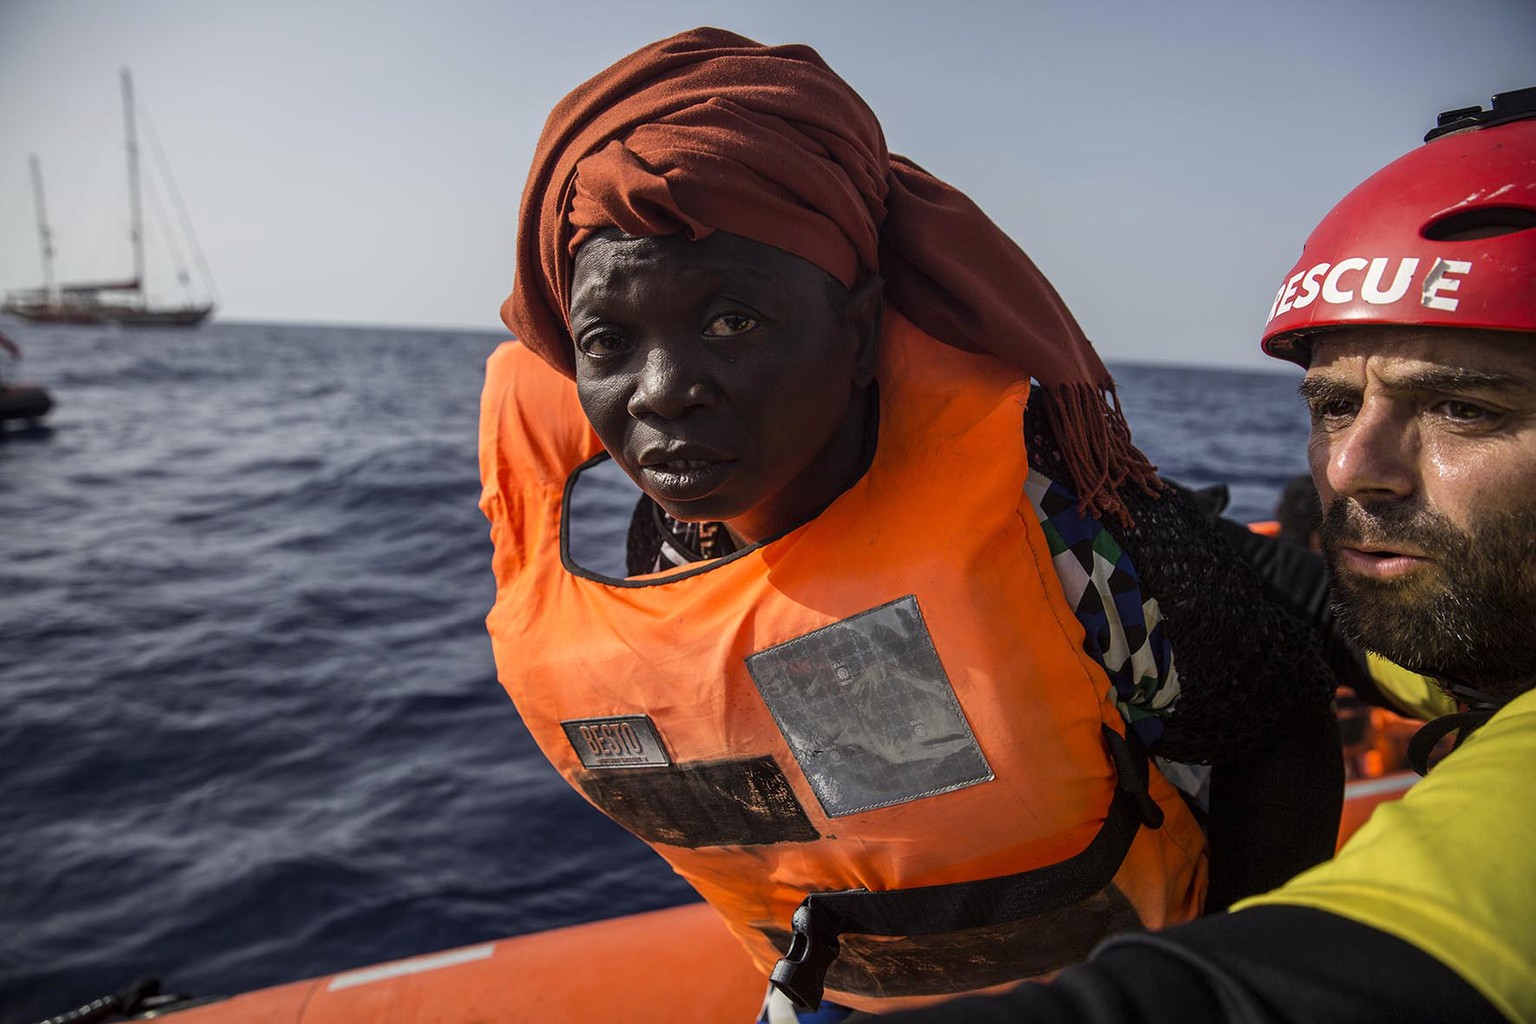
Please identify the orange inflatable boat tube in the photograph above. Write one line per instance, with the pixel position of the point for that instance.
(660, 967)
(672, 965)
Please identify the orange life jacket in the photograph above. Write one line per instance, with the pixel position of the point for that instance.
(889, 707)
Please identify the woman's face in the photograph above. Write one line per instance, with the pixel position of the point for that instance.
(728, 378)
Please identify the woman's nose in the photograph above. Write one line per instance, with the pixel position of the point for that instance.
(669, 384)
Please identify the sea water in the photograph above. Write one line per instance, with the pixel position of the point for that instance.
(250, 729)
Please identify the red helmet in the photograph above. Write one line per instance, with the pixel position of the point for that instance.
(1444, 236)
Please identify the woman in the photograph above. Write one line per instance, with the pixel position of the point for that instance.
(899, 625)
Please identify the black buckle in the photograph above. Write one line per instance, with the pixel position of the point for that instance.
(801, 973)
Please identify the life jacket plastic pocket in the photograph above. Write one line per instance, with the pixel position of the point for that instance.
(868, 711)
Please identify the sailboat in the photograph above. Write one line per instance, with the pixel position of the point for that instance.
(124, 301)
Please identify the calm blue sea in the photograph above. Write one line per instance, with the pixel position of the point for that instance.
(250, 730)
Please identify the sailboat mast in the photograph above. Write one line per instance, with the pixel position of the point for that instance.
(135, 214)
(44, 236)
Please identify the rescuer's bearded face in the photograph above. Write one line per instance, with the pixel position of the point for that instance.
(1424, 453)
(1469, 615)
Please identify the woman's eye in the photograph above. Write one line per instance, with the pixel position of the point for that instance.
(602, 343)
(730, 325)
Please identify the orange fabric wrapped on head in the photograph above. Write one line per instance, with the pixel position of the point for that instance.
(709, 131)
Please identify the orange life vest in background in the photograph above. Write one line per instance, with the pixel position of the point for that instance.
(889, 706)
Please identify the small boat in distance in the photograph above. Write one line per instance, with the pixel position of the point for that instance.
(124, 301)
(27, 403)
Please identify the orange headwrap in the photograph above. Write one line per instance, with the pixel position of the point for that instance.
(710, 131)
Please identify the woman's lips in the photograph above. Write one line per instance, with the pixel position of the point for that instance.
(685, 479)
(1380, 564)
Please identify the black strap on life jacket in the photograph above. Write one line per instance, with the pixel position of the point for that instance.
(934, 909)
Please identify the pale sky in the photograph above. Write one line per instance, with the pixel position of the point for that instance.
(362, 162)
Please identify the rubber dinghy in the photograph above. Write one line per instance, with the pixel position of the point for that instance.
(25, 402)
(659, 967)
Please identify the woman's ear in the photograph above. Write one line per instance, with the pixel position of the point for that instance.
(866, 305)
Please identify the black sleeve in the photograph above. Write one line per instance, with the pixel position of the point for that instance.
(1255, 694)
(1275, 807)
(1256, 698)
(1268, 965)
(1275, 813)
